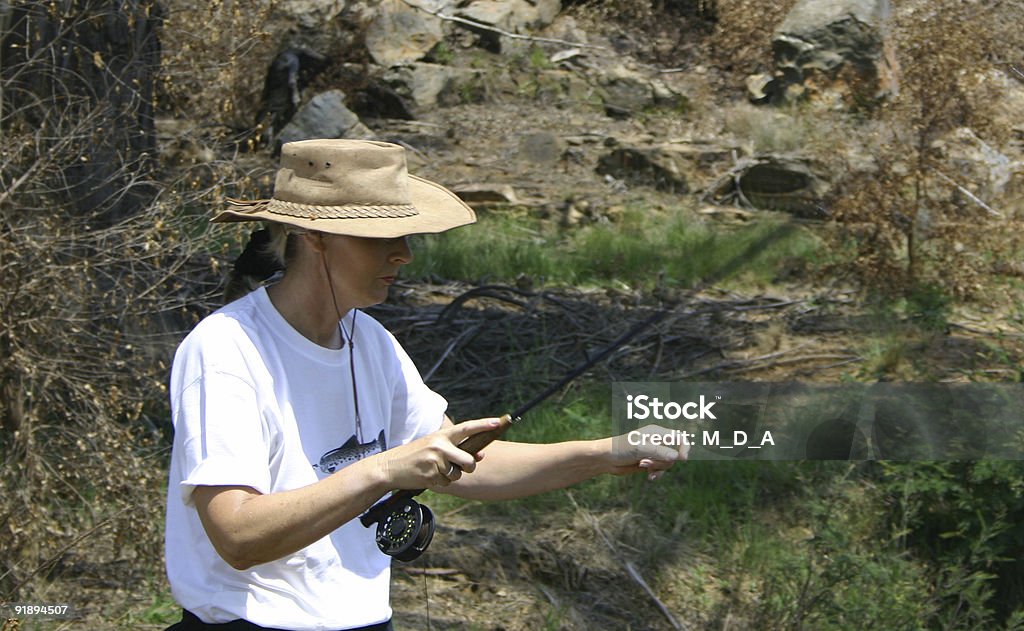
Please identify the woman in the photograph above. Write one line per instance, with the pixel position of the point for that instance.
(294, 412)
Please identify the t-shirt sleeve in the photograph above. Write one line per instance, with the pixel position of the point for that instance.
(416, 410)
(220, 435)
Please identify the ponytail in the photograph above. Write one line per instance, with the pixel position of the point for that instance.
(257, 264)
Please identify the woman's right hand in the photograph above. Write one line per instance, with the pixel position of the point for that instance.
(428, 461)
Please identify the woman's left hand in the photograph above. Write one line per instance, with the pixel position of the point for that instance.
(650, 448)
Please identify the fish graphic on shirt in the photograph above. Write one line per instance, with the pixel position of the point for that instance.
(350, 452)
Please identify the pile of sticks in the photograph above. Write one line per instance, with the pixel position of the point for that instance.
(491, 347)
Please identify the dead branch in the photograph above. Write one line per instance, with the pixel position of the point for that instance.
(971, 196)
(493, 29)
(630, 568)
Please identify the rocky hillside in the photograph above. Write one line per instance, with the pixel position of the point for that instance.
(575, 110)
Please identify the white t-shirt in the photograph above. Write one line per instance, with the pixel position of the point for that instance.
(254, 403)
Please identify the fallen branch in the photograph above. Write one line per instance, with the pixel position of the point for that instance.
(447, 351)
(432, 571)
(633, 573)
(974, 198)
(740, 363)
(493, 29)
(650, 592)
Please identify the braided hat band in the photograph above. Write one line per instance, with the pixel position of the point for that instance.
(305, 211)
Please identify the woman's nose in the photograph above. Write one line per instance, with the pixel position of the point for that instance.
(402, 253)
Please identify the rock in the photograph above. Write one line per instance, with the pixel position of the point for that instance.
(660, 166)
(565, 28)
(973, 167)
(837, 48)
(625, 92)
(401, 33)
(547, 11)
(760, 88)
(309, 14)
(774, 182)
(483, 194)
(429, 85)
(325, 116)
(672, 166)
(565, 55)
(540, 148)
(378, 100)
(511, 16)
(489, 13)
(560, 87)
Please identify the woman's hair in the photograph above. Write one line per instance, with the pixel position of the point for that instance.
(266, 254)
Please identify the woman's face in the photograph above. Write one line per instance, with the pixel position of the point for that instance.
(362, 269)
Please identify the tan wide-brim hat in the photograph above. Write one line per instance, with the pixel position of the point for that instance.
(359, 188)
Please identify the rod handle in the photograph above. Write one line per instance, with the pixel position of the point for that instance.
(476, 442)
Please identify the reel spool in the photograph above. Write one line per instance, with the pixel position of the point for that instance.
(406, 531)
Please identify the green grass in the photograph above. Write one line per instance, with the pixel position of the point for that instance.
(807, 544)
(641, 251)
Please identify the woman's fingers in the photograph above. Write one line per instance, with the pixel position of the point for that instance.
(448, 474)
(463, 460)
(655, 443)
(436, 459)
(464, 430)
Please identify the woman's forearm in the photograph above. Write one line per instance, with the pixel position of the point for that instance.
(511, 470)
(248, 528)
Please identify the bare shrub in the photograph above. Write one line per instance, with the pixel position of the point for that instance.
(741, 43)
(95, 295)
(663, 32)
(907, 223)
(210, 69)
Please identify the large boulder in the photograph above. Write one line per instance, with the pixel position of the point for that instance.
(837, 51)
(973, 172)
(428, 85)
(510, 16)
(660, 166)
(325, 116)
(785, 183)
(677, 167)
(625, 92)
(401, 33)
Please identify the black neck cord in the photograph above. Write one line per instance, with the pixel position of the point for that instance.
(346, 337)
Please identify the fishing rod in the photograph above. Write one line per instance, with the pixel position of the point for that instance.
(405, 527)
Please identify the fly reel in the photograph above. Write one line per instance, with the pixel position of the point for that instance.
(404, 526)
(406, 531)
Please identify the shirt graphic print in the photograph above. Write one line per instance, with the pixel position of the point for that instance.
(350, 452)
